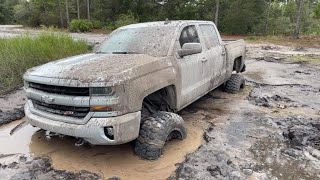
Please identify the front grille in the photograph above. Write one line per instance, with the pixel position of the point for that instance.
(76, 112)
(63, 90)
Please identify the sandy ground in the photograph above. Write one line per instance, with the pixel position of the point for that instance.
(270, 130)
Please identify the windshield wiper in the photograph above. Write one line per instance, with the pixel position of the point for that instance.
(125, 53)
(100, 52)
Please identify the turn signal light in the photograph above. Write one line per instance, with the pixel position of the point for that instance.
(101, 108)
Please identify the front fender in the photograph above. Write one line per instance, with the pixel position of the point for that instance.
(145, 85)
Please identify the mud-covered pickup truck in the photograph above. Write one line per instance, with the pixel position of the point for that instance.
(131, 87)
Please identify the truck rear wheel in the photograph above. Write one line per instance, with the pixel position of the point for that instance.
(155, 131)
(235, 83)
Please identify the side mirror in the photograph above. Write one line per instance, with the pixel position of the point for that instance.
(189, 49)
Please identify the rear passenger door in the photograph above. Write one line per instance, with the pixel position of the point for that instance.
(215, 53)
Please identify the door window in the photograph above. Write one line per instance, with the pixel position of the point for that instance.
(210, 35)
(189, 34)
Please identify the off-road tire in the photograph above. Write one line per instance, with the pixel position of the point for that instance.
(234, 84)
(155, 131)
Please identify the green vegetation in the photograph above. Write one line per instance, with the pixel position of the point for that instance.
(306, 58)
(254, 17)
(81, 25)
(21, 53)
(125, 19)
(305, 41)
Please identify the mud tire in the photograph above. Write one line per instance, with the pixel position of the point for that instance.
(234, 84)
(155, 131)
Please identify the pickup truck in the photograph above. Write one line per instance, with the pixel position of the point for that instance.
(132, 85)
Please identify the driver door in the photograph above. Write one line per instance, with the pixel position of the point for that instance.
(191, 68)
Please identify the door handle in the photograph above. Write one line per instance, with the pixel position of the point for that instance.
(223, 53)
(204, 59)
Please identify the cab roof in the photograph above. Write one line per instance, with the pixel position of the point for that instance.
(175, 23)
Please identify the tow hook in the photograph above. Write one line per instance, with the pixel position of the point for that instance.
(50, 134)
(80, 142)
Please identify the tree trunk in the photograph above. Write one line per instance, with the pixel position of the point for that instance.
(67, 12)
(60, 15)
(88, 9)
(296, 32)
(46, 13)
(78, 9)
(266, 26)
(216, 17)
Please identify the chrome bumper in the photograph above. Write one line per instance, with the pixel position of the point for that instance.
(126, 127)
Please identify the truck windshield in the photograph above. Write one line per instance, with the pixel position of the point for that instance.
(154, 41)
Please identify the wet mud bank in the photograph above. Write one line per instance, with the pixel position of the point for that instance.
(40, 168)
(11, 106)
(274, 132)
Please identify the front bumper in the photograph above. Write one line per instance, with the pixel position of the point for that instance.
(126, 127)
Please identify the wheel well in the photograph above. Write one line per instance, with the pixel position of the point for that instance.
(237, 64)
(175, 134)
(161, 100)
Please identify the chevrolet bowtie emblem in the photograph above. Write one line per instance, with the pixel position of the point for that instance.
(47, 99)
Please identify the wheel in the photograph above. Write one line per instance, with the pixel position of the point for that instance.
(235, 83)
(155, 131)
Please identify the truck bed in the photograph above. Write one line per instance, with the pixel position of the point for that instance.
(235, 53)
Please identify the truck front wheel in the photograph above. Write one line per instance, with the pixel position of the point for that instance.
(235, 83)
(155, 131)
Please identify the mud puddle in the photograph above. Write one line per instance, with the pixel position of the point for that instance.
(116, 161)
(106, 161)
(19, 142)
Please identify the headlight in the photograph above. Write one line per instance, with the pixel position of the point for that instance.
(102, 91)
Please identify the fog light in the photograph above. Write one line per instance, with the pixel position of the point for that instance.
(109, 132)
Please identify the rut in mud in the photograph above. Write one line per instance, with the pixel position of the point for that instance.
(271, 130)
(274, 135)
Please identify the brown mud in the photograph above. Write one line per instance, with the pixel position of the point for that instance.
(274, 132)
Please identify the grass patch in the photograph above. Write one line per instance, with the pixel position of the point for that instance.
(304, 41)
(21, 53)
(309, 59)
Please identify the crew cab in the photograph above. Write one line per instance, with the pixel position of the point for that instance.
(133, 84)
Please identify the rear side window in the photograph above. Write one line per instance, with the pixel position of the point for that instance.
(210, 35)
(189, 34)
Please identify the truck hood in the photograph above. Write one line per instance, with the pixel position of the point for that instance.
(94, 69)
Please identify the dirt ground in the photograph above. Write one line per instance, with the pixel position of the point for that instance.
(9, 31)
(270, 130)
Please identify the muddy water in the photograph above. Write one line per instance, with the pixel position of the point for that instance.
(17, 143)
(120, 161)
(107, 161)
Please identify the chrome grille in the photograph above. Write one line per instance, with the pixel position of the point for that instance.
(63, 90)
(76, 112)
